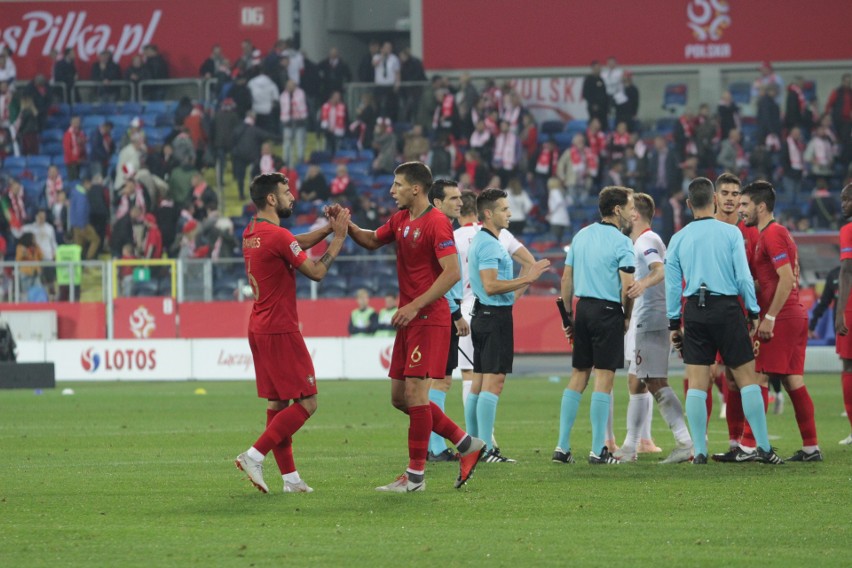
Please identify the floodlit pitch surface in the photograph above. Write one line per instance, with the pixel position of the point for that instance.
(125, 474)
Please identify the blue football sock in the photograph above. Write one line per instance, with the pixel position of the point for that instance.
(754, 412)
(567, 415)
(486, 413)
(599, 414)
(470, 415)
(436, 442)
(696, 412)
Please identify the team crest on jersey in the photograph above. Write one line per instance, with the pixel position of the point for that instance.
(294, 246)
(311, 380)
(405, 232)
(416, 233)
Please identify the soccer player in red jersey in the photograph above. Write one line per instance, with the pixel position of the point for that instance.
(427, 267)
(282, 364)
(841, 316)
(783, 330)
(728, 187)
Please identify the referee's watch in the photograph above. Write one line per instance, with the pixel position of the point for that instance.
(674, 324)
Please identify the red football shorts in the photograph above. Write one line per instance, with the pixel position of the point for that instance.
(282, 366)
(420, 351)
(784, 354)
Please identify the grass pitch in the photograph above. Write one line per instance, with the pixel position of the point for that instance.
(129, 474)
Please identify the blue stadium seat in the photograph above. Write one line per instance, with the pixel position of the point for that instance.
(105, 108)
(82, 109)
(130, 109)
(160, 107)
(52, 135)
(57, 122)
(150, 119)
(15, 162)
(120, 123)
(740, 92)
(580, 124)
(346, 154)
(38, 161)
(333, 288)
(92, 121)
(61, 109)
(552, 126)
(665, 126)
(563, 139)
(58, 159)
(320, 157)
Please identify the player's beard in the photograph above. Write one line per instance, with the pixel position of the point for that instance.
(284, 213)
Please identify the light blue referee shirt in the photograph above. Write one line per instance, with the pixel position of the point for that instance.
(709, 252)
(486, 253)
(597, 254)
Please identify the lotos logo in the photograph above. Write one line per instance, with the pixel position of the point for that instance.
(708, 19)
(385, 356)
(142, 323)
(42, 31)
(90, 360)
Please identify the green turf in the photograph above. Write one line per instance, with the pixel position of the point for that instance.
(125, 474)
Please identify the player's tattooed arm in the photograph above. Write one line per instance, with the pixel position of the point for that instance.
(327, 259)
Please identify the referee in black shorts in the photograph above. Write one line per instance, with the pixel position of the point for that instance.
(491, 271)
(598, 270)
(709, 256)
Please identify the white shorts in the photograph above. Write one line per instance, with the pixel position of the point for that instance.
(651, 359)
(466, 342)
(630, 348)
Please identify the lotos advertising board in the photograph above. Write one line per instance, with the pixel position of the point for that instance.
(558, 33)
(184, 32)
(142, 360)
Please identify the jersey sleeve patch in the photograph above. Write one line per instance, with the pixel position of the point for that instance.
(295, 248)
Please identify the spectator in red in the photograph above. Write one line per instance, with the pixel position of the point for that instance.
(619, 140)
(204, 199)
(195, 128)
(596, 139)
(153, 247)
(684, 137)
(294, 120)
(543, 166)
(74, 148)
(342, 187)
(839, 107)
(52, 186)
(14, 209)
(333, 122)
(481, 140)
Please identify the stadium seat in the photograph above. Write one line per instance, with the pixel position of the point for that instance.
(52, 135)
(740, 92)
(320, 157)
(38, 161)
(150, 119)
(130, 109)
(160, 107)
(333, 288)
(58, 122)
(58, 159)
(105, 108)
(563, 139)
(61, 109)
(675, 95)
(15, 162)
(92, 121)
(81, 109)
(552, 126)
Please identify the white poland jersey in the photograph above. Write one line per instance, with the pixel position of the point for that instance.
(649, 313)
(463, 236)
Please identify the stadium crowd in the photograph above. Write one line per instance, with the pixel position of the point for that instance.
(131, 179)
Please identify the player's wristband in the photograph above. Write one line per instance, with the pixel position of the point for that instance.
(674, 324)
(457, 315)
(770, 318)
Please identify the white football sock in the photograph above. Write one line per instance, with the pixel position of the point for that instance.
(645, 432)
(672, 411)
(636, 410)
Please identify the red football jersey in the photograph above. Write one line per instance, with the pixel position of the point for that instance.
(420, 243)
(775, 248)
(846, 242)
(272, 255)
(750, 236)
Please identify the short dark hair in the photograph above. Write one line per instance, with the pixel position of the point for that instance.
(761, 191)
(487, 200)
(611, 197)
(701, 192)
(644, 205)
(468, 207)
(730, 178)
(438, 187)
(415, 173)
(263, 185)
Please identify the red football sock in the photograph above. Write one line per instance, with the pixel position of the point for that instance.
(804, 407)
(419, 429)
(685, 387)
(847, 394)
(284, 451)
(734, 415)
(285, 424)
(444, 427)
(747, 438)
(721, 383)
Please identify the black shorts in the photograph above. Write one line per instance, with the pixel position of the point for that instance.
(493, 339)
(453, 355)
(719, 326)
(598, 335)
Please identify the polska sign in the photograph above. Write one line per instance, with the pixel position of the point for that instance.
(124, 28)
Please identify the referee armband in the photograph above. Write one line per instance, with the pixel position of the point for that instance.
(627, 269)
